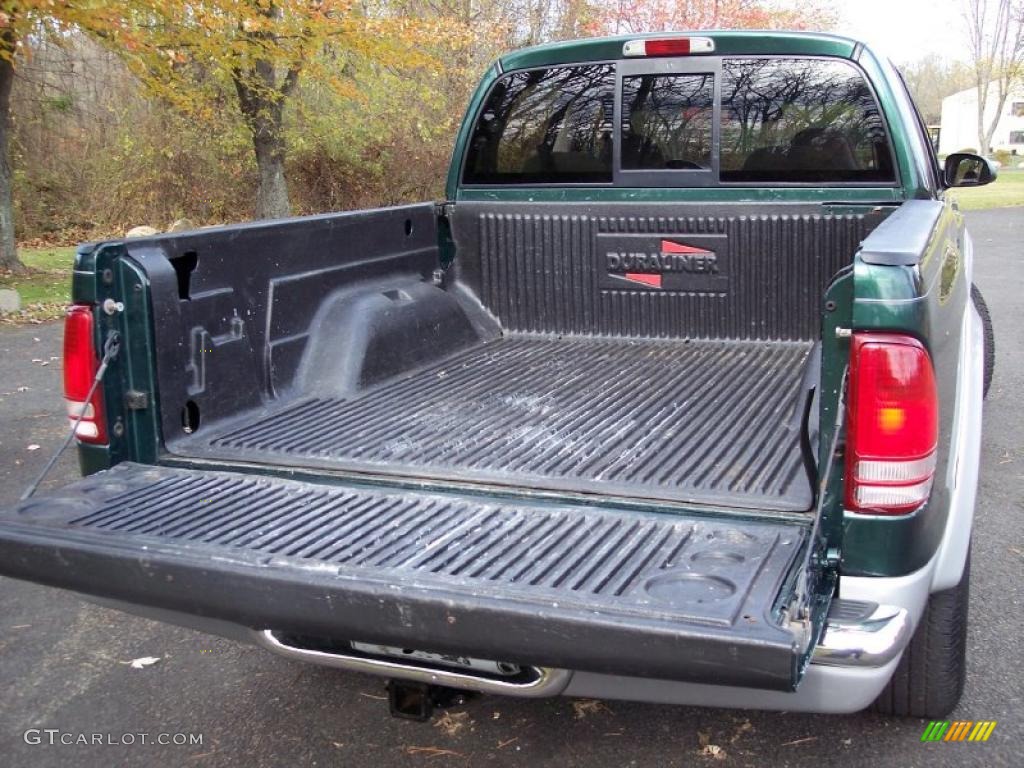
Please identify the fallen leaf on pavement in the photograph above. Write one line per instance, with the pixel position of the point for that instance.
(581, 708)
(450, 723)
(713, 750)
(740, 730)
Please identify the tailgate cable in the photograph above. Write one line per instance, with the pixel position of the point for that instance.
(110, 349)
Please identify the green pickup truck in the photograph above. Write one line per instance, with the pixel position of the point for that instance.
(676, 397)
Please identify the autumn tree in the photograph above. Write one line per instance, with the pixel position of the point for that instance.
(995, 31)
(18, 20)
(265, 72)
(635, 16)
(188, 53)
(208, 56)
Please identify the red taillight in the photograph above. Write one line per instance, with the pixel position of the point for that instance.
(892, 424)
(669, 46)
(80, 365)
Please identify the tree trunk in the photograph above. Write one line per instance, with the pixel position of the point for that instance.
(8, 246)
(990, 132)
(262, 105)
(983, 136)
(1004, 92)
(272, 195)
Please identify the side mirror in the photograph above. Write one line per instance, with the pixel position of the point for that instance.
(967, 170)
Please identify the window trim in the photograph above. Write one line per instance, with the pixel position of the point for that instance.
(671, 177)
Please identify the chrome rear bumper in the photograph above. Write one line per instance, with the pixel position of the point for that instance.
(862, 634)
(857, 634)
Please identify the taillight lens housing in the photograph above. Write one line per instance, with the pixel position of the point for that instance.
(80, 366)
(892, 424)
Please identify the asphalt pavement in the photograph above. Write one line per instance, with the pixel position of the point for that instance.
(65, 663)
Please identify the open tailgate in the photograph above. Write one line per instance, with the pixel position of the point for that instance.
(684, 597)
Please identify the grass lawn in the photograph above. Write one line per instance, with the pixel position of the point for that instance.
(45, 289)
(1006, 190)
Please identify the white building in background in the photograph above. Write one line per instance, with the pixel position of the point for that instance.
(959, 127)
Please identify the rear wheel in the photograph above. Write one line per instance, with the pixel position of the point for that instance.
(930, 677)
(990, 339)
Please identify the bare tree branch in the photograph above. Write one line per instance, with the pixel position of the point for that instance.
(995, 33)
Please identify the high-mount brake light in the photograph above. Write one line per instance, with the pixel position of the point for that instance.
(668, 46)
(80, 366)
(892, 424)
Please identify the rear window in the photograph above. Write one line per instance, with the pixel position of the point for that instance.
(780, 120)
(800, 120)
(666, 121)
(546, 127)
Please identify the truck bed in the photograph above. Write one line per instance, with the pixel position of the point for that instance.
(337, 343)
(710, 422)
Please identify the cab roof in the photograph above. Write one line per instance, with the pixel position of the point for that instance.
(726, 42)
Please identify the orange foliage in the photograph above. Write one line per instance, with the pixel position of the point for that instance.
(636, 16)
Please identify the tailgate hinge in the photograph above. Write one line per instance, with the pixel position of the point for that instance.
(833, 556)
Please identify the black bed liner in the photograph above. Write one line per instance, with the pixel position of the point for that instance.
(678, 597)
(710, 422)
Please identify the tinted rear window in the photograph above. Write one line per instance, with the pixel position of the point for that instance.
(800, 120)
(546, 127)
(782, 120)
(666, 121)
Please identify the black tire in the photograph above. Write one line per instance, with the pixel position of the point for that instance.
(990, 339)
(930, 677)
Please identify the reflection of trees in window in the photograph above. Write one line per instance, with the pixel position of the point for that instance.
(800, 120)
(666, 121)
(545, 126)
